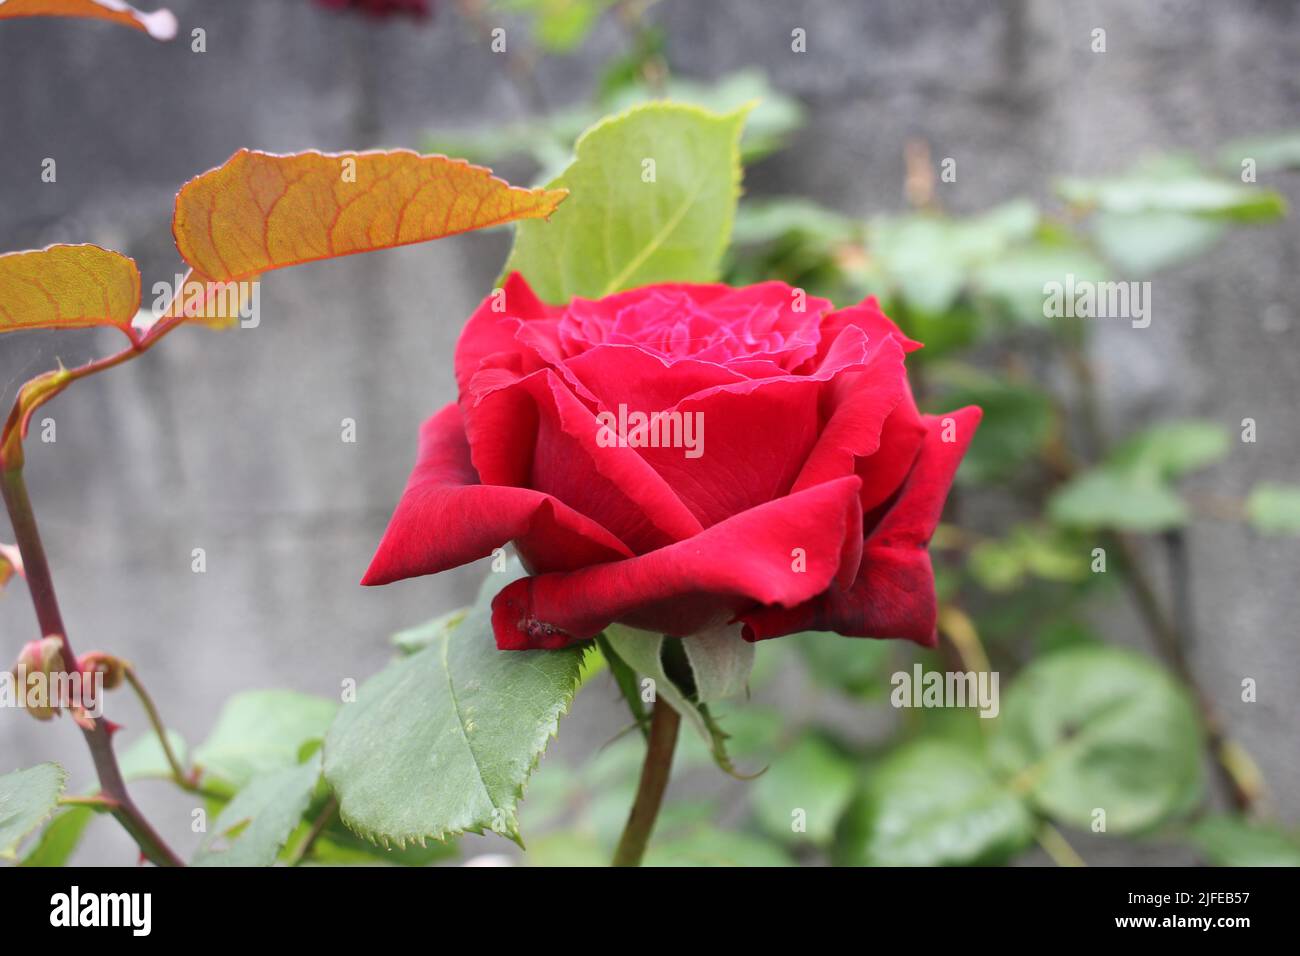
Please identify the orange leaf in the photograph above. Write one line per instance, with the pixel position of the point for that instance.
(31, 396)
(261, 211)
(161, 24)
(213, 302)
(68, 287)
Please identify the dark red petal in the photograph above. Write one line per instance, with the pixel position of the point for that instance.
(901, 437)
(446, 518)
(488, 331)
(912, 518)
(861, 402)
(532, 432)
(693, 584)
(893, 595)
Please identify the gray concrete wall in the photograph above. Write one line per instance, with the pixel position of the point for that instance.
(230, 442)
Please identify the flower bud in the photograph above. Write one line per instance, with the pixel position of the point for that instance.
(113, 668)
(37, 663)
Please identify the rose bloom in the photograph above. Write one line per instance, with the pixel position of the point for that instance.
(796, 487)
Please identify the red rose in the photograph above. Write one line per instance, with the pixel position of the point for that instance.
(788, 482)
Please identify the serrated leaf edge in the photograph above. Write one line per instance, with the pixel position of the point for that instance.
(11, 853)
(387, 841)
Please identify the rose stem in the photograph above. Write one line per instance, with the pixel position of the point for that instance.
(151, 709)
(50, 619)
(664, 723)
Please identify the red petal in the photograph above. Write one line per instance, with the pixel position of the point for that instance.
(861, 402)
(911, 520)
(631, 376)
(867, 316)
(488, 332)
(533, 432)
(893, 595)
(693, 584)
(901, 438)
(447, 518)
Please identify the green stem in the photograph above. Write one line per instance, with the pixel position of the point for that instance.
(48, 616)
(178, 772)
(664, 724)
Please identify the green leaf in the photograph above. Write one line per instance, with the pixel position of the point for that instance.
(1172, 449)
(1017, 279)
(616, 230)
(707, 846)
(27, 799)
(443, 741)
(144, 759)
(1104, 498)
(1131, 492)
(1271, 152)
(262, 730)
(934, 803)
(417, 638)
(1274, 508)
(339, 846)
(721, 661)
(60, 837)
(772, 118)
(854, 665)
(1180, 191)
(1141, 243)
(766, 220)
(559, 26)
(808, 786)
(1001, 565)
(1091, 728)
(644, 653)
(1232, 841)
(254, 825)
(625, 679)
(929, 259)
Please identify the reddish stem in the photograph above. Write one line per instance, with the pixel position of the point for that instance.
(97, 734)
